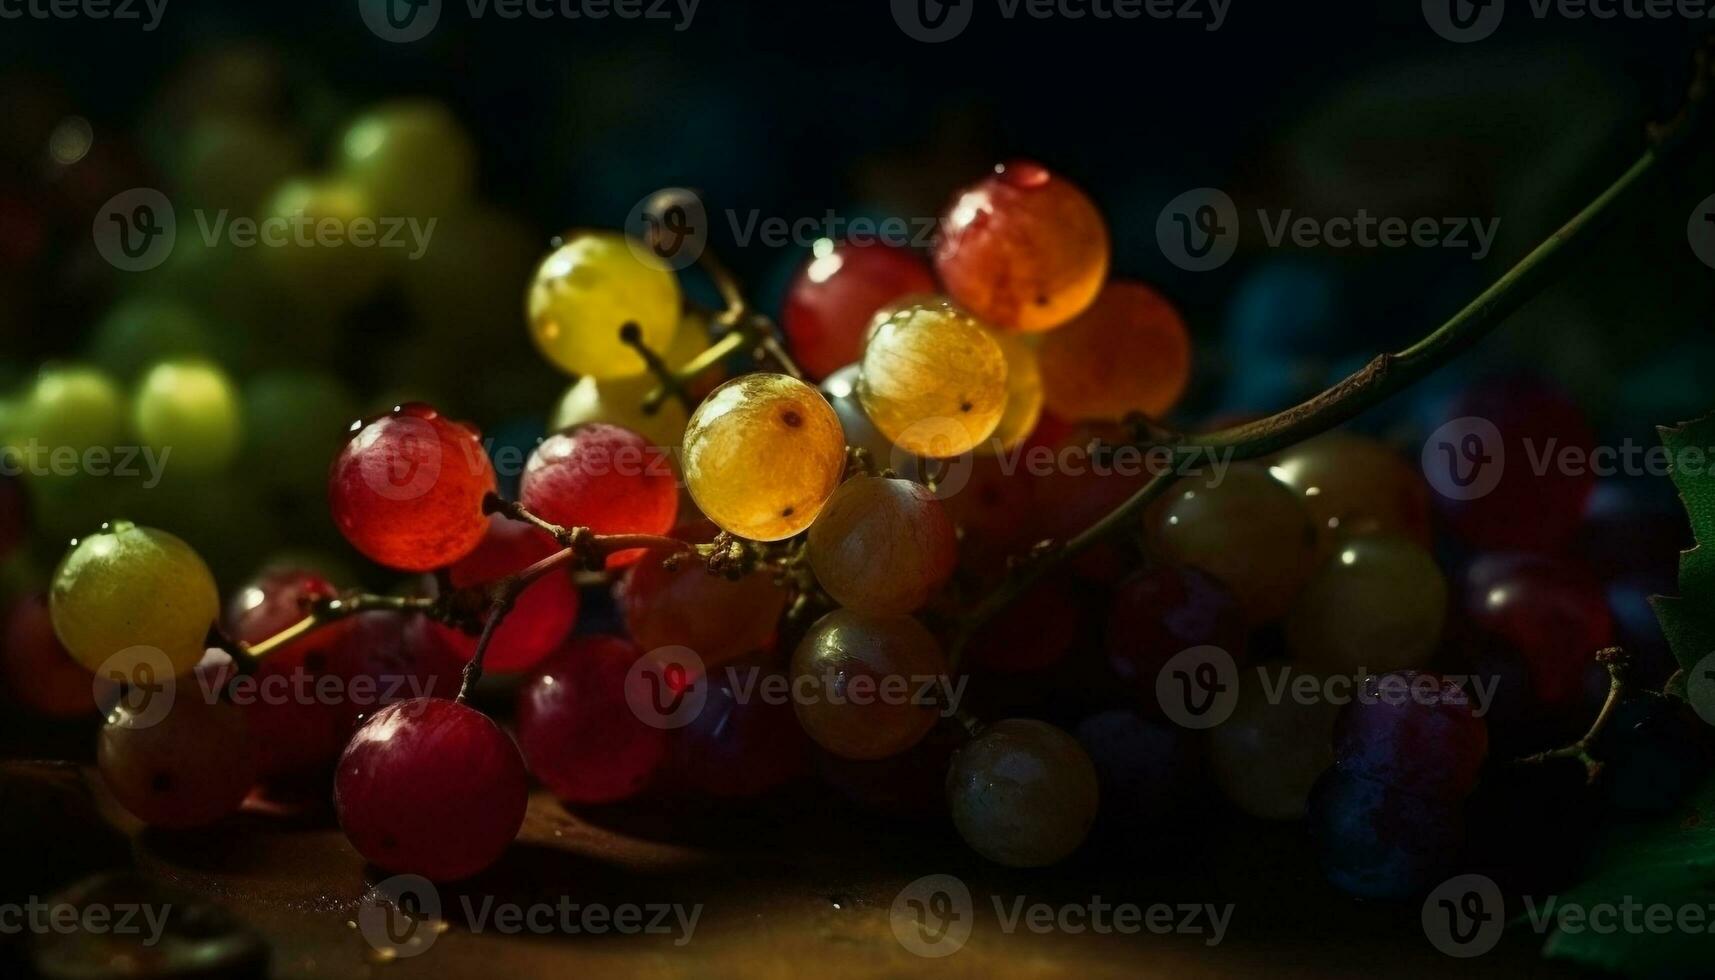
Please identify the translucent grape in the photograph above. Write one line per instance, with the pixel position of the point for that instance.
(433, 788)
(861, 683)
(763, 454)
(1023, 248)
(408, 487)
(1352, 484)
(39, 673)
(412, 156)
(1249, 531)
(190, 410)
(1023, 793)
(1128, 352)
(608, 479)
(883, 546)
(1269, 752)
(1375, 606)
(586, 290)
(126, 587)
(543, 614)
(578, 731)
(933, 379)
(830, 303)
(188, 768)
(721, 619)
(1023, 396)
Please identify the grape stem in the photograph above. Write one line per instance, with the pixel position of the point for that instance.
(1618, 664)
(1378, 380)
(328, 611)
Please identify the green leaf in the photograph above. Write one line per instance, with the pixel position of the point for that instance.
(1689, 620)
(1670, 863)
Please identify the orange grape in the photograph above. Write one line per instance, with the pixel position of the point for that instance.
(882, 545)
(1128, 352)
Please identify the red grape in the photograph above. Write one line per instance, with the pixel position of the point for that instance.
(295, 728)
(741, 744)
(187, 768)
(382, 657)
(1159, 612)
(720, 618)
(578, 731)
(1548, 614)
(407, 489)
(1023, 248)
(431, 787)
(830, 303)
(1414, 732)
(1527, 510)
(38, 670)
(606, 478)
(544, 613)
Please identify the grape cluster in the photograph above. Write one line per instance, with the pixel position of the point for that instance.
(837, 534)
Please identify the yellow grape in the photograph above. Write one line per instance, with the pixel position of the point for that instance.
(189, 411)
(589, 288)
(883, 546)
(762, 455)
(327, 277)
(933, 378)
(127, 587)
(412, 156)
(1023, 395)
(1248, 530)
(1376, 605)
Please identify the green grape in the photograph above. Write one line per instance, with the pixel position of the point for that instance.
(330, 275)
(933, 378)
(140, 331)
(587, 290)
(883, 546)
(128, 587)
(1249, 530)
(1355, 485)
(294, 424)
(70, 406)
(1024, 394)
(190, 410)
(762, 455)
(1023, 793)
(412, 156)
(1267, 754)
(1376, 605)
